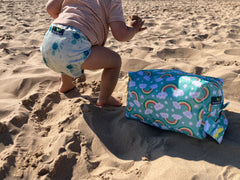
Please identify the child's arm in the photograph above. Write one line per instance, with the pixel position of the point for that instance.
(122, 32)
(54, 7)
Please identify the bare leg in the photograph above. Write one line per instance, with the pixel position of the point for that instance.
(110, 61)
(66, 83)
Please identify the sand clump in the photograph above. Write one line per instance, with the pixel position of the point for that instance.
(48, 135)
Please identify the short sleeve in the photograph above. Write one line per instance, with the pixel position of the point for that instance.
(116, 11)
(54, 6)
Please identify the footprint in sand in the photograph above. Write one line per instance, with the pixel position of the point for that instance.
(19, 119)
(165, 26)
(176, 53)
(60, 170)
(29, 102)
(233, 36)
(41, 112)
(150, 23)
(233, 52)
(141, 52)
(8, 159)
(3, 127)
(134, 64)
(5, 136)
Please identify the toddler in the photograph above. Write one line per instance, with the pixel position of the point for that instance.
(75, 41)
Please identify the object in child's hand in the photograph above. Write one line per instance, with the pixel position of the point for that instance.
(178, 101)
(134, 17)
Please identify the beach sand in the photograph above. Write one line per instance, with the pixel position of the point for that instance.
(48, 135)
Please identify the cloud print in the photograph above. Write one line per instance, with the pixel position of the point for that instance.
(199, 123)
(206, 126)
(131, 104)
(164, 115)
(197, 83)
(132, 84)
(188, 114)
(158, 79)
(142, 86)
(154, 86)
(186, 78)
(162, 95)
(147, 78)
(158, 106)
(137, 103)
(194, 94)
(176, 105)
(178, 92)
(170, 79)
(148, 111)
(176, 116)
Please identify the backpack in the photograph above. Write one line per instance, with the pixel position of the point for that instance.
(178, 101)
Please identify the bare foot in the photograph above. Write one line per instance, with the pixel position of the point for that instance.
(66, 87)
(66, 83)
(111, 101)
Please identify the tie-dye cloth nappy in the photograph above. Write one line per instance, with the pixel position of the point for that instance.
(178, 101)
(65, 49)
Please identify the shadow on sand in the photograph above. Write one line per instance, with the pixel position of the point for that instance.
(131, 140)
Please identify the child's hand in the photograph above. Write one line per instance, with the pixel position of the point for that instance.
(137, 23)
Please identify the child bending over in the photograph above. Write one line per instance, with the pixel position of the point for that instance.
(76, 38)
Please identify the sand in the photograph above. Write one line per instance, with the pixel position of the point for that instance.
(48, 135)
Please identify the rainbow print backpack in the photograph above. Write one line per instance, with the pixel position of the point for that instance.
(178, 101)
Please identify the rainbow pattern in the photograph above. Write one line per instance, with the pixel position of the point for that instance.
(206, 90)
(155, 98)
(206, 94)
(200, 115)
(139, 117)
(171, 122)
(186, 131)
(129, 108)
(148, 72)
(149, 102)
(147, 91)
(166, 75)
(210, 108)
(159, 122)
(195, 78)
(135, 94)
(173, 86)
(216, 85)
(183, 103)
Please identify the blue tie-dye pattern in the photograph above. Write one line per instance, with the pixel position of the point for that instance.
(69, 66)
(74, 41)
(65, 54)
(45, 61)
(49, 30)
(76, 36)
(55, 46)
(86, 53)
